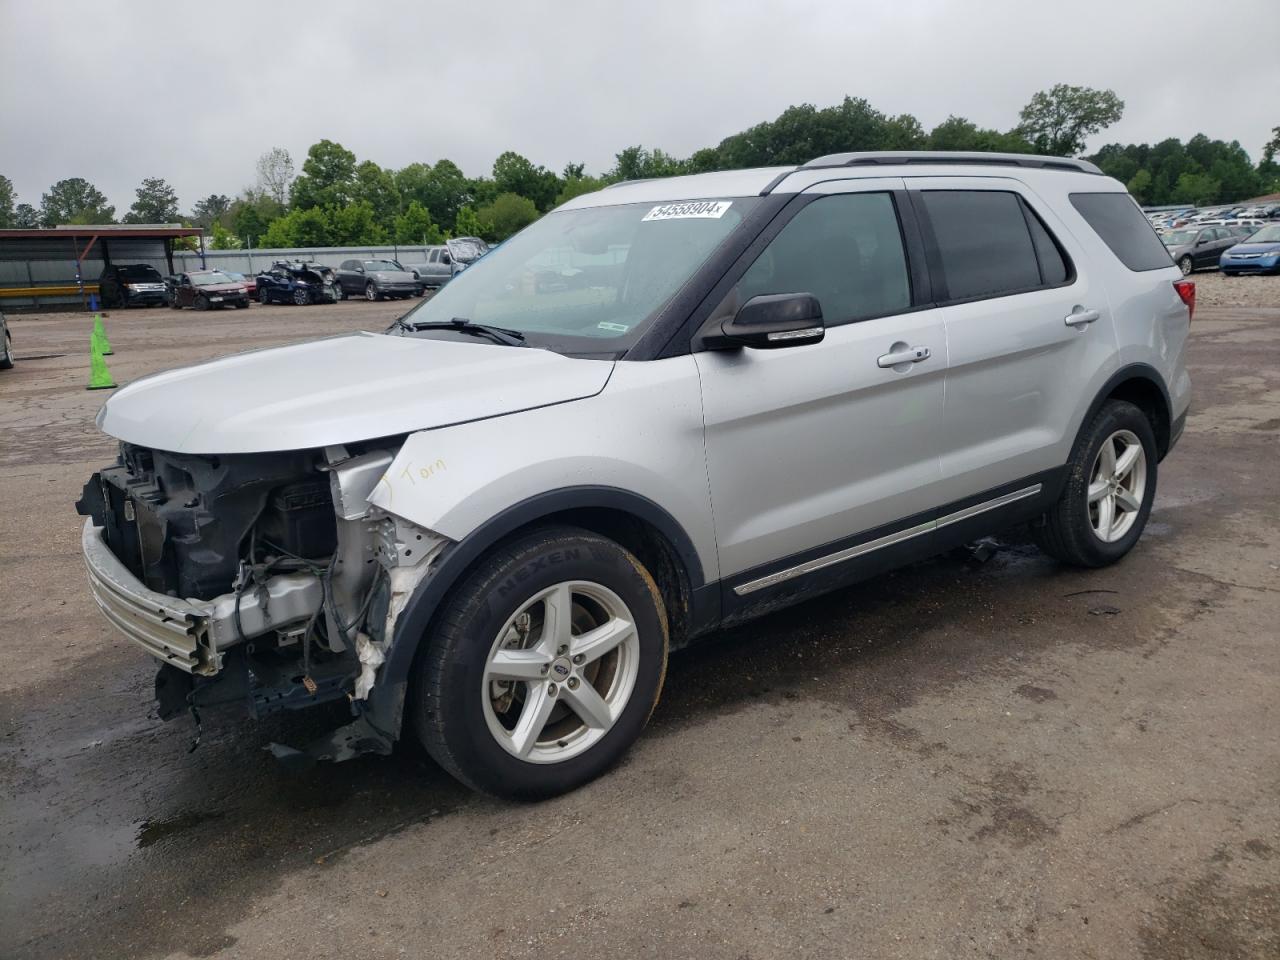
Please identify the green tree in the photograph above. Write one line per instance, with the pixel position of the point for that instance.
(212, 209)
(157, 203)
(356, 223)
(469, 224)
(7, 198)
(299, 228)
(377, 187)
(443, 189)
(576, 187)
(252, 214)
(328, 177)
(507, 214)
(1059, 120)
(75, 200)
(26, 216)
(1196, 188)
(513, 173)
(275, 174)
(224, 239)
(1140, 185)
(416, 226)
(957, 133)
(637, 163)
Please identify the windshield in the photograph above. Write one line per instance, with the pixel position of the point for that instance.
(141, 272)
(1268, 234)
(467, 249)
(589, 280)
(1177, 238)
(208, 279)
(382, 265)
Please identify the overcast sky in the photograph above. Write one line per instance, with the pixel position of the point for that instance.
(114, 92)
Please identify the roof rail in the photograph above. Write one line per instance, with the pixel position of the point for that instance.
(624, 183)
(974, 158)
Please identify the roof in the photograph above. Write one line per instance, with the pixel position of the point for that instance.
(764, 180)
(130, 231)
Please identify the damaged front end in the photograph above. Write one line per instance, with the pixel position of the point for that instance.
(266, 581)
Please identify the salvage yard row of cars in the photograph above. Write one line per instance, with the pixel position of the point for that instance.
(299, 282)
(1235, 240)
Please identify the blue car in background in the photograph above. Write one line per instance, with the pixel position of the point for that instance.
(1259, 253)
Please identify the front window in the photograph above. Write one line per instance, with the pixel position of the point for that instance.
(591, 280)
(375, 265)
(211, 278)
(140, 273)
(1269, 234)
(1179, 238)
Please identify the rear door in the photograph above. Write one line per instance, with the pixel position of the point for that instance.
(818, 453)
(1027, 332)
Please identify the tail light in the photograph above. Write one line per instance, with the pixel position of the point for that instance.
(1187, 291)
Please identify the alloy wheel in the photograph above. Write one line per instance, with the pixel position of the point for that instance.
(1117, 485)
(560, 672)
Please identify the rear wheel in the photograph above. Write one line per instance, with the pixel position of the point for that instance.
(6, 352)
(543, 666)
(1185, 265)
(1110, 486)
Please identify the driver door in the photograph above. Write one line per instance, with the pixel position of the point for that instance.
(823, 453)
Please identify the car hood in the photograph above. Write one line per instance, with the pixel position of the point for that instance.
(1255, 248)
(222, 288)
(392, 275)
(341, 390)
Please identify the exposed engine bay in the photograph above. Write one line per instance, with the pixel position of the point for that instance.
(279, 571)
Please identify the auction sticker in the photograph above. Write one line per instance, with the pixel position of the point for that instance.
(689, 210)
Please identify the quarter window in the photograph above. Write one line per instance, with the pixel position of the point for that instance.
(846, 250)
(984, 243)
(1117, 220)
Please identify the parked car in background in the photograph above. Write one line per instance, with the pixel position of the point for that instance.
(376, 279)
(1260, 253)
(250, 283)
(446, 261)
(132, 285)
(6, 345)
(203, 289)
(1195, 248)
(297, 282)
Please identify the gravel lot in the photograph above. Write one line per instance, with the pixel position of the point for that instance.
(961, 759)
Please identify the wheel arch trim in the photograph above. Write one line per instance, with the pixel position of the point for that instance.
(1141, 372)
(387, 699)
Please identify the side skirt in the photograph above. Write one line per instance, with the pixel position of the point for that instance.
(753, 593)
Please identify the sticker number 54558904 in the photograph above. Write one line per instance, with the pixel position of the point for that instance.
(712, 209)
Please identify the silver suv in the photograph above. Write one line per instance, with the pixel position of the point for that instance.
(665, 407)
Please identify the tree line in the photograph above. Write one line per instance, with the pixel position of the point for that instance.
(337, 199)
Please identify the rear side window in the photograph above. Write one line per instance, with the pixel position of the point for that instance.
(846, 250)
(1117, 220)
(983, 243)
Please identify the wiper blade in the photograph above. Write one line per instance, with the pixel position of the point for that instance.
(508, 338)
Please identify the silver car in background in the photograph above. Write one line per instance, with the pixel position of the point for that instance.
(444, 262)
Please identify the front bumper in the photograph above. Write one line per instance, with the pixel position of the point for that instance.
(1266, 263)
(132, 297)
(190, 634)
(397, 288)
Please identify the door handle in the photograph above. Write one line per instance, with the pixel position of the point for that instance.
(1079, 317)
(906, 355)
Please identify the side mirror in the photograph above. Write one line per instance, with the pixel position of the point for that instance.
(359, 268)
(769, 322)
(1202, 241)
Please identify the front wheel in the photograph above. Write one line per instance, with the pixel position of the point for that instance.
(201, 303)
(6, 357)
(544, 665)
(263, 298)
(1111, 483)
(1186, 266)
(371, 292)
(301, 296)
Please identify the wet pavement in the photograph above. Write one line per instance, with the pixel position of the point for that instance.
(958, 759)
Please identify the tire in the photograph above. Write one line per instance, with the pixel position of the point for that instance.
(1071, 530)
(469, 721)
(301, 296)
(371, 293)
(174, 305)
(1186, 265)
(339, 293)
(242, 304)
(6, 358)
(202, 303)
(263, 298)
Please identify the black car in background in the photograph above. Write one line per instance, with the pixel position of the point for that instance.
(132, 285)
(298, 282)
